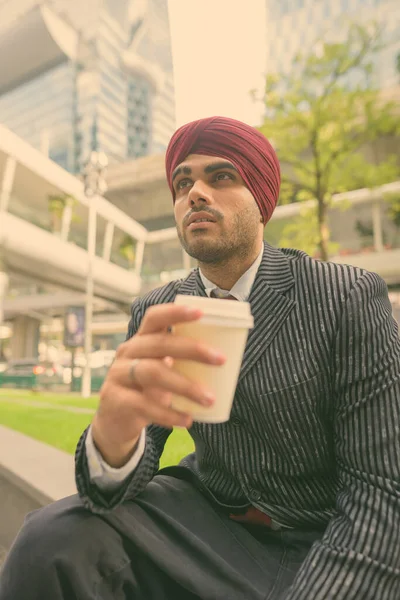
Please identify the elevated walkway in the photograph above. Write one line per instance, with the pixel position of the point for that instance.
(44, 256)
(33, 248)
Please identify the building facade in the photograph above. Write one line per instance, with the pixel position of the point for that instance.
(295, 26)
(100, 77)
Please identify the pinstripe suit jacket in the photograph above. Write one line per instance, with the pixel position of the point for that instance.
(313, 437)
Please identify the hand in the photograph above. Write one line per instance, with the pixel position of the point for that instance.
(139, 385)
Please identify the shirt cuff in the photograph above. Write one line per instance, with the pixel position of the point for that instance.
(108, 478)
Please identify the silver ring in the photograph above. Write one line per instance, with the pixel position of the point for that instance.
(132, 369)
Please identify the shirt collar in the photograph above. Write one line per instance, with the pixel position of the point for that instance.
(242, 288)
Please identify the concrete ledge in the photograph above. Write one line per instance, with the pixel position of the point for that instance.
(44, 473)
(15, 505)
(32, 474)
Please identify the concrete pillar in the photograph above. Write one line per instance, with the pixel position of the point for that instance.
(108, 240)
(25, 337)
(66, 221)
(6, 186)
(377, 227)
(3, 290)
(139, 258)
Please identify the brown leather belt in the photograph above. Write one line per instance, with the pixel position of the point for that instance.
(253, 516)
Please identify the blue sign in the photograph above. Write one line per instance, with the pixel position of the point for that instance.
(74, 327)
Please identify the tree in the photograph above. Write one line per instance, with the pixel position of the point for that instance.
(322, 118)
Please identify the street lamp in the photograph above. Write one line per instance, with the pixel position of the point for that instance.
(94, 185)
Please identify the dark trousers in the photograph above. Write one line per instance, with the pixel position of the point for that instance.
(170, 543)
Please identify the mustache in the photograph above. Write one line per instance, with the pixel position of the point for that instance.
(215, 214)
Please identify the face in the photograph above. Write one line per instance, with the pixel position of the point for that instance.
(216, 215)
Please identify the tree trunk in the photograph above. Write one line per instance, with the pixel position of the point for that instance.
(323, 229)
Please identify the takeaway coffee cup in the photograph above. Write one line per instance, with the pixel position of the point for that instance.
(225, 326)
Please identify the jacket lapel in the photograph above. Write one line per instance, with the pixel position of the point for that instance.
(192, 285)
(270, 306)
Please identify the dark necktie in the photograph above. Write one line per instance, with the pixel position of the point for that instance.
(216, 293)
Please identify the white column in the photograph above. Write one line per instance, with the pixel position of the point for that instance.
(94, 185)
(139, 258)
(7, 183)
(108, 240)
(91, 248)
(4, 279)
(377, 227)
(66, 221)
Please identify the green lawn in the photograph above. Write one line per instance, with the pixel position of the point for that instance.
(55, 427)
(49, 398)
(62, 429)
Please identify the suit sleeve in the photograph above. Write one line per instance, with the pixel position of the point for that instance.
(102, 501)
(359, 555)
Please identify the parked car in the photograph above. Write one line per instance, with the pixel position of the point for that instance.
(30, 373)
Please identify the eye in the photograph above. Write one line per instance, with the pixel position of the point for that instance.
(223, 176)
(183, 183)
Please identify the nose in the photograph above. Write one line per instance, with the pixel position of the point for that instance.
(199, 194)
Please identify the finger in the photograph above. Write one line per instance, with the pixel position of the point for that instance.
(162, 316)
(147, 408)
(153, 373)
(161, 345)
(150, 373)
(158, 396)
(161, 415)
(164, 399)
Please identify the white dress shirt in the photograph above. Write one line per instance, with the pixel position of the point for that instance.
(107, 478)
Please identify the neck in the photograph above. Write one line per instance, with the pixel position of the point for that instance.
(225, 274)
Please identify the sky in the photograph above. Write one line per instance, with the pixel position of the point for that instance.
(219, 54)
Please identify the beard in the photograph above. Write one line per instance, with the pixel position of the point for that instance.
(239, 241)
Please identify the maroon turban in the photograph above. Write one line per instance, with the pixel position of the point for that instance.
(242, 145)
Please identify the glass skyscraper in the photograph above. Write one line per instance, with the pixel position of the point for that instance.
(295, 25)
(94, 74)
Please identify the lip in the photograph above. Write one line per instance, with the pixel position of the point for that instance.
(201, 215)
(198, 226)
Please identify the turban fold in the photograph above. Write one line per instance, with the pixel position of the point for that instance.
(245, 147)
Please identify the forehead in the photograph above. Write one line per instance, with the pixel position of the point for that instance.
(199, 161)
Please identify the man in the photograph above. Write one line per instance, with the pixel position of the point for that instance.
(297, 496)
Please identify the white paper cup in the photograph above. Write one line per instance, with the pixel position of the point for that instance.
(224, 326)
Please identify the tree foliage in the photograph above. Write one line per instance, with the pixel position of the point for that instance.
(324, 119)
